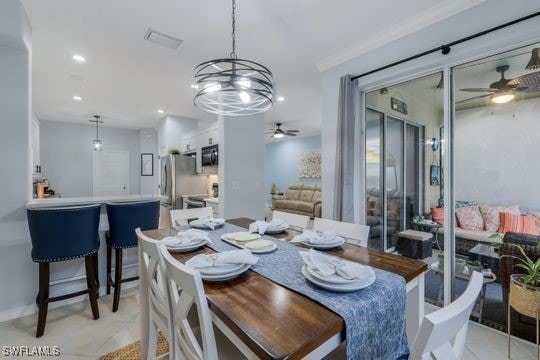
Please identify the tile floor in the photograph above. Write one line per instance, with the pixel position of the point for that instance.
(79, 337)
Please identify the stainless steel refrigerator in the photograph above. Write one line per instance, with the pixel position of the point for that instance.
(179, 177)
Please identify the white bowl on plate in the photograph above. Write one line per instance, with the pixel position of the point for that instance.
(348, 287)
(226, 276)
(186, 248)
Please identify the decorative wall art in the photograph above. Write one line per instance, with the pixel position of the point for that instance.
(310, 164)
(147, 164)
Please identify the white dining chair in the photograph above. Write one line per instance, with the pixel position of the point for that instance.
(442, 333)
(181, 216)
(297, 221)
(185, 289)
(159, 313)
(354, 233)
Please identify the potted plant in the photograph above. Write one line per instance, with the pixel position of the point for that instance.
(524, 294)
(174, 152)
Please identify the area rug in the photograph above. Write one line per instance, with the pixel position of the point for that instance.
(133, 351)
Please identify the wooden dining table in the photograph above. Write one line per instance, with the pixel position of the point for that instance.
(269, 321)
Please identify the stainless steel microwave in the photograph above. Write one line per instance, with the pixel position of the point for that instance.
(210, 155)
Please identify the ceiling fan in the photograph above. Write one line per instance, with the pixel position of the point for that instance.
(504, 90)
(278, 133)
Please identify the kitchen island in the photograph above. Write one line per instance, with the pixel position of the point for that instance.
(87, 200)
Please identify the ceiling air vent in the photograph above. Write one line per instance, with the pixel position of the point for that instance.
(162, 39)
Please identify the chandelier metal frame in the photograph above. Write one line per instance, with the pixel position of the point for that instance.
(233, 86)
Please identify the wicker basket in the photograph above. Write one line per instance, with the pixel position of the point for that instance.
(525, 299)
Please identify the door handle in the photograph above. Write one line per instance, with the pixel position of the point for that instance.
(124, 188)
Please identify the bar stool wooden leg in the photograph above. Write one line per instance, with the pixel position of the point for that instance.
(509, 332)
(91, 283)
(109, 256)
(96, 272)
(43, 297)
(117, 278)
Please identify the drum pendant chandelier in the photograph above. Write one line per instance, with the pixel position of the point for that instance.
(233, 86)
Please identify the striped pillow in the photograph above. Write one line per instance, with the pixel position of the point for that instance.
(524, 224)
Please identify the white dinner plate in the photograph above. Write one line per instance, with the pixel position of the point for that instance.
(198, 224)
(334, 278)
(226, 277)
(330, 245)
(353, 286)
(241, 236)
(278, 230)
(221, 269)
(241, 245)
(186, 248)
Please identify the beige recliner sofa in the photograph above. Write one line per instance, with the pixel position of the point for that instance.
(300, 199)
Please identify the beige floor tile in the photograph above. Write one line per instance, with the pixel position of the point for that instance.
(468, 355)
(125, 336)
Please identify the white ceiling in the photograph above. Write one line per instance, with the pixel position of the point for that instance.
(126, 79)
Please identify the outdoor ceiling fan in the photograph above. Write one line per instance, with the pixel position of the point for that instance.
(504, 90)
(278, 133)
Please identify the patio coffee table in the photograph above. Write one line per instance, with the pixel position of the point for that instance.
(486, 254)
(481, 298)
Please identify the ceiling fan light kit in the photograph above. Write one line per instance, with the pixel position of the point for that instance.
(279, 133)
(534, 62)
(233, 86)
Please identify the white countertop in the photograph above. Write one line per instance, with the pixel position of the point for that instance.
(212, 200)
(35, 203)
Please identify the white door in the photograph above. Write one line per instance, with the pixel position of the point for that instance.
(111, 173)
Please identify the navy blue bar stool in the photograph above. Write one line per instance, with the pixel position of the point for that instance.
(60, 234)
(124, 218)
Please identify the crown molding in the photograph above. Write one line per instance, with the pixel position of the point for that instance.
(421, 20)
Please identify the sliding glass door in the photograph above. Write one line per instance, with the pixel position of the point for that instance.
(393, 178)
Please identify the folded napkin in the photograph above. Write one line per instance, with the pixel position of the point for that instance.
(312, 237)
(186, 238)
(210, 222)
(330, 265)
(220, 259)
(262, 226)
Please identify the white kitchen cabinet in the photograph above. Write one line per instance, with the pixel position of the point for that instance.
(36, 163)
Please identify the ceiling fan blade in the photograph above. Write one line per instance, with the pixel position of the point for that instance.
(270, 131)
(473, 98)
(478, 90)
(530, 82)
(294, 130)
(289, 134)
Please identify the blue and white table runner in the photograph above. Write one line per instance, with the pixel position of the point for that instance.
(374, 317)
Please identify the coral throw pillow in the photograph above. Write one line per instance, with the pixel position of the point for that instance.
(469, 218)
(438, 215)
(537, 221)
(524, 224)
(491, 215)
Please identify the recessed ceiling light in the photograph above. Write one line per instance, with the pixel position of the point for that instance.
(160, 111)
(79, 58)
(280, 98)
(77, 98)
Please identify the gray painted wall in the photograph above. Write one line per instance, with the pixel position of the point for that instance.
(496, 154)
(18, 275)
(66, 155)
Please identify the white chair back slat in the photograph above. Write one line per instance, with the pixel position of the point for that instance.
(155, 269)
(185, 289)
(299, 222)
(354, 233)
(442, 333)
(181, 216)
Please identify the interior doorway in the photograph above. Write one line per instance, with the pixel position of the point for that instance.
(110, 172)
